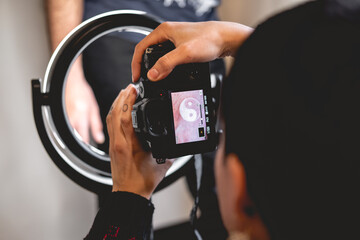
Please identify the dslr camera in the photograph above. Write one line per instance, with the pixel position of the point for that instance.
(174, 117)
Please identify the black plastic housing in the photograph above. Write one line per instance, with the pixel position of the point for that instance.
(157, 96)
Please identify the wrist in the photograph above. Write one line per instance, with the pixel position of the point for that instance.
(76, 74)
(234, 35)
(132, 189)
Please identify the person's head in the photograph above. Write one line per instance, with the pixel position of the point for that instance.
(289, 167)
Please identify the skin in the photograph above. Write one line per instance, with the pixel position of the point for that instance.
(135, 171)
(194, 42)
(81, 105)
(233, 197)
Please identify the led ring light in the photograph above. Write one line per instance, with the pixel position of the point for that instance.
(84, 164)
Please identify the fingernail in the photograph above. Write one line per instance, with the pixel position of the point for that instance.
(153, 74)
(132, 78)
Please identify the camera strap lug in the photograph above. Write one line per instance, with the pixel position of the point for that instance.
(160, 160)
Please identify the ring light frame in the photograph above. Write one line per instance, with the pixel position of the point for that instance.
(84, 164)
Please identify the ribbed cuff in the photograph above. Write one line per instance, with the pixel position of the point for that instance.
(130, 213)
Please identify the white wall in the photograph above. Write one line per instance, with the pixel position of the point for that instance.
(36, 199)
(252, 12)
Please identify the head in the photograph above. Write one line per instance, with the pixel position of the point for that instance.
(288, 166)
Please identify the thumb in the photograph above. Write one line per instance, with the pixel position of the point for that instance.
(167, 63)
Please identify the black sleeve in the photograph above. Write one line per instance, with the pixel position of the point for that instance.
(123, 216)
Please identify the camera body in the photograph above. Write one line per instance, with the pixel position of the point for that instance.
(175, 116)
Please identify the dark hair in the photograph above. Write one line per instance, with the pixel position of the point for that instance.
(291, 106)
(347, 9)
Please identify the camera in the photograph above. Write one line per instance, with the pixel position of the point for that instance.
(175, 116)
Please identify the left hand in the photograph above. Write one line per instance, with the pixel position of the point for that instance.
(194, 42)
(133, 169)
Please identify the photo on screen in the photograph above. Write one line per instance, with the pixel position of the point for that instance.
(189, 116)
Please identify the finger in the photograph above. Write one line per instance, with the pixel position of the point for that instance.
(163, 168)
(117, 138)
(168, 62)
(96, 125)
(126, 119)
(111, 143)
(117, 111)
(110, 132)
(168, 164)
(109, 127)
(83, 130)
(159, 35)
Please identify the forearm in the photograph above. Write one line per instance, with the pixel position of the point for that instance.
(63, 16)
(233, 36)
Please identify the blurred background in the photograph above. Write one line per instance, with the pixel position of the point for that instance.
(36, 199)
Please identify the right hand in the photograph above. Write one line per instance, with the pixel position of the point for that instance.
(194, 42)
(81, 106)
(133, 169)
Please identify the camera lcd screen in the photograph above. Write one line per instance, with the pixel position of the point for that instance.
(190, 116)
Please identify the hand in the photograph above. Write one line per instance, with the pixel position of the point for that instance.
(81, 106)
(194, 42)
(133, 169)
